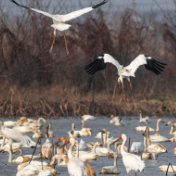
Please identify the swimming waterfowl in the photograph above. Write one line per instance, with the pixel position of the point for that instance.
(88, 117)
(143, 128)
(111, 169)
(113, 119)
(143, 119)
(154, 148)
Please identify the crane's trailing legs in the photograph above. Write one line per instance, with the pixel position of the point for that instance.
(131, 90)
(66, 44)
(122, 91)
(55, 34)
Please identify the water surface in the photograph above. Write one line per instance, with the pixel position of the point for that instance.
(61, 126)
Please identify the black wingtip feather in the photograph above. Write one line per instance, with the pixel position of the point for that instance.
(155, 66)
(95, 66)
(100, 4)
(160, 62)
(20, 5)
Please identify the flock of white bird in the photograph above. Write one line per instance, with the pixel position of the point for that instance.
(13, 139)
(76, 157)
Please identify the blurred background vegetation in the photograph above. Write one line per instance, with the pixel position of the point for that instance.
(35, 82)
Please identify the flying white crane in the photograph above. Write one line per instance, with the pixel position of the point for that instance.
(125, 72)
(59, 20)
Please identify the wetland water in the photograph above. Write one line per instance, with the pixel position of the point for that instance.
(61, 126)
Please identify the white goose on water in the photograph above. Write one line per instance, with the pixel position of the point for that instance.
(111, 169)
(59, 20)
(88, 117)
(143, 119)
(128, 71)
(143, 128)
(113, 119)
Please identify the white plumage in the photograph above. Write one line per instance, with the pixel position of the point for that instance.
(113, 119)
(88, 117)
(76, 166)
(16, 136)
(111, 169)
(125, 72)
(82, 145)
(163, 168)
(143, 128)
(155, 148)
(137, 148)
(130, 161)
(29, 170)
(143, 119)
(59, 20)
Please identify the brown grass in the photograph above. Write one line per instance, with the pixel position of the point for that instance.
(54, 103)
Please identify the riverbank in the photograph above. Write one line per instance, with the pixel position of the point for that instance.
(58, 102)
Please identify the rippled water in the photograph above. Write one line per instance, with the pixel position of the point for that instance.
(60, 128)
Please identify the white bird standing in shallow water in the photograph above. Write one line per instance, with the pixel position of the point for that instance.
(125, 72)
(76, 166)
(130, 161)
(59, 20)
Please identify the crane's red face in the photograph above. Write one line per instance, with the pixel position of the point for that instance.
(68, 142)
(120, 138)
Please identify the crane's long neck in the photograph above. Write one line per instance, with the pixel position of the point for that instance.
(94, 148)
(77, 150)
(118, 149)
(157, 125)
(70, 155)
(115, 160)
(123, 145)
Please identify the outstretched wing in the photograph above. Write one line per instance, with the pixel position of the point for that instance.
(155, 66)
(78, 13)
(100, 64)
(38, 11)
(150, 64)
